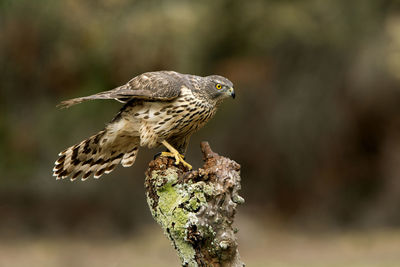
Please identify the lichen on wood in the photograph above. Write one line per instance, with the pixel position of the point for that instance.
(196, 208)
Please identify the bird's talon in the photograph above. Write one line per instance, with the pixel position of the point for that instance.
(157, 155)
(178, 158)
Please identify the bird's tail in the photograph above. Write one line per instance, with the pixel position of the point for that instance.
(97, 155)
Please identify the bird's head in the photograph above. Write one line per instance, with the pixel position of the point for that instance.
(219, 87)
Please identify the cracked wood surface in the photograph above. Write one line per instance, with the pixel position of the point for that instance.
(196, 209)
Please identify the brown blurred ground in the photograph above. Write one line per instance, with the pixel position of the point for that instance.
(259, 248)
(315, 124)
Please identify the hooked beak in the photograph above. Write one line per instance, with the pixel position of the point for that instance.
(232, 92)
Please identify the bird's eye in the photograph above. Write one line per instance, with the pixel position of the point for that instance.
(218, 86)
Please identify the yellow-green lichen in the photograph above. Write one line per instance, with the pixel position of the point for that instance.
(174, 210)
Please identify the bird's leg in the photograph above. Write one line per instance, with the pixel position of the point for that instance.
(174, 153)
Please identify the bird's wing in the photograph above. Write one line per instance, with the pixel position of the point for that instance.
(160, 85)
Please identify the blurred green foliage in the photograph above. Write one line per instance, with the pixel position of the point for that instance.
(315, 125)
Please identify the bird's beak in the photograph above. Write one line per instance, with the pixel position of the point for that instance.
(231, 92)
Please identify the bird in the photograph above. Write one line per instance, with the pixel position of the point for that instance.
(161, 108)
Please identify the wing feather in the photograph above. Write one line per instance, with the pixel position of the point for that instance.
(159, 85)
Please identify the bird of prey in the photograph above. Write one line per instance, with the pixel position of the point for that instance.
(161, 108)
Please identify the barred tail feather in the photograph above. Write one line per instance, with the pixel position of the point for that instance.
(97, 155)
(129, 158)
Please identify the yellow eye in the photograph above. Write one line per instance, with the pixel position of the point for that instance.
(218, 86)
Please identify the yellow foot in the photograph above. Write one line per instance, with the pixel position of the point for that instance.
(175, 154)
(178, 158)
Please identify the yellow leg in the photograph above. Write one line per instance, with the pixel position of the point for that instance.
(174, 153)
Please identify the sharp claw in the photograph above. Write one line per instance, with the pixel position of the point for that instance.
(177, 159)
(157, 155)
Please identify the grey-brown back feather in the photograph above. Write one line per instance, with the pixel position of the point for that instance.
(159, 85)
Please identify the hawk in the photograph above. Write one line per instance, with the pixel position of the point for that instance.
(161, 108)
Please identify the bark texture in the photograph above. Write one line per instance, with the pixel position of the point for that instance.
(196, 208)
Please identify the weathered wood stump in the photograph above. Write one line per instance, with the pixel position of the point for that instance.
(196, 208)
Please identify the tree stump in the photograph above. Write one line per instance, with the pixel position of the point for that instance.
(196, 208)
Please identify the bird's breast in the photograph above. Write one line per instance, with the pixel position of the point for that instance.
(190, 114)
(180, 117)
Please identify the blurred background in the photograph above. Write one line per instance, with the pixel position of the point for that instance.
(315, 126)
